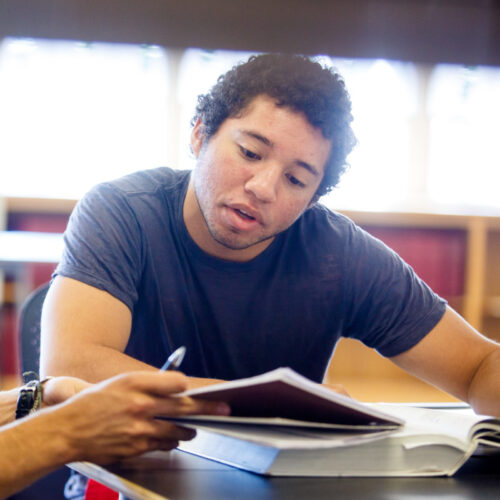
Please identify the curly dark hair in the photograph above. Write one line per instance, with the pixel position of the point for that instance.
(296, 82)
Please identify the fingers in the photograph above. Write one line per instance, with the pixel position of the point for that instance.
(167, 445)
(164, 387)
(183, 405)
(116, 418)
(152, 382)
(161, 436)
(168, 431)
(148, 394)
(156, 393)
(122, 412)
(109, 439)
(126, 451)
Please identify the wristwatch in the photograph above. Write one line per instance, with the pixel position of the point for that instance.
(29, 399)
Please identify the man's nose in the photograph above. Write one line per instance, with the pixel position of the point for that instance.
(263, 183)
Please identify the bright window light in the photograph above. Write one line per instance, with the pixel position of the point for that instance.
(464, 107)
(74, 114)
(384, 100)
(198, 72)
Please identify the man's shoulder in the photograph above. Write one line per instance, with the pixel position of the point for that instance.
(148, 181)
(327, 226)
(141, 192)
(327, 221)
(325, 231)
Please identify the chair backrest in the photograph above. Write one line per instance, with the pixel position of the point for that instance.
(29, 329)
(51, 486)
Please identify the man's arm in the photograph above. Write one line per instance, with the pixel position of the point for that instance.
(459, 360)
(84, 333)
(101, 424)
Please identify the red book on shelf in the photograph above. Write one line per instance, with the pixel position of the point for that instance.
(436, 255)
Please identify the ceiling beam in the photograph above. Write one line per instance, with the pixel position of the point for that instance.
(429, 31)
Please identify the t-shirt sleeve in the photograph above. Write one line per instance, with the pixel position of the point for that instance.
(388, 306)
(103, 244)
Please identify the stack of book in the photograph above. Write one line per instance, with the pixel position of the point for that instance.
(283, 424)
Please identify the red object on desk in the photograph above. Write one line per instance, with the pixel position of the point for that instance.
(97, 491)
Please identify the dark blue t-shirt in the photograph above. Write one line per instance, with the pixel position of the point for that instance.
(321, 279)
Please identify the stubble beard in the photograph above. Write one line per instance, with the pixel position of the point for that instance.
(231, 241)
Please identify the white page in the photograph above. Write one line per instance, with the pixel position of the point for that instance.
(456, 424)
(292, 438)
(274, 422)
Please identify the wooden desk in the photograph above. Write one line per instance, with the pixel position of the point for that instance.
(179, 476)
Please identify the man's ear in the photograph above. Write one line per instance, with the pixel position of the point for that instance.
(197, 137)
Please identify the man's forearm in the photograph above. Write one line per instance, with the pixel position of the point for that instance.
(484, 392)
(96, 363)
(91, 363)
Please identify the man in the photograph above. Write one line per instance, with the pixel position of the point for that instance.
(238, 262)
(102, 423)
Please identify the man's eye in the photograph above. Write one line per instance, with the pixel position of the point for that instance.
(249, 154)
(293, 180)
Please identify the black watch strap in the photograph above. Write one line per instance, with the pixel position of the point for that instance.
(29, 399)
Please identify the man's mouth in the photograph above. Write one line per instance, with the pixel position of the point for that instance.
(244, 214)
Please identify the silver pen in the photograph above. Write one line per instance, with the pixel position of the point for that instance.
(174, 360)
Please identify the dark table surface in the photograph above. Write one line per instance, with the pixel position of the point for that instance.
(179, 476)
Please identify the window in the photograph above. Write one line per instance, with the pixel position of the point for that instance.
(74, 114)
(464, 110)
(384, 102)
(198, 72)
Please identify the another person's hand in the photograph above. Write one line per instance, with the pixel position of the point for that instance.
(115, 418)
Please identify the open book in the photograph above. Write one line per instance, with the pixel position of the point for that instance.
(284, 424)
(284, 394)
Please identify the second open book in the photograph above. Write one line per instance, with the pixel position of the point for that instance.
(284, 424)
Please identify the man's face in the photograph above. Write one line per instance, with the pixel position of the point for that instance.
(253, 178)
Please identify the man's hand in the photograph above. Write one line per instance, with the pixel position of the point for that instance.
(59, 389)
(100, 423)
(115, 418)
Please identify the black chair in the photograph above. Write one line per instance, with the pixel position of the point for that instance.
(51, 486)
(29, 329)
